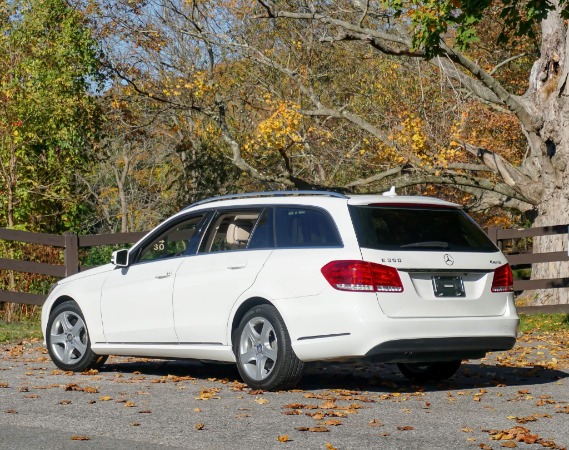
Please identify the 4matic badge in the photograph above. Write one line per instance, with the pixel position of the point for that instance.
(449, 261)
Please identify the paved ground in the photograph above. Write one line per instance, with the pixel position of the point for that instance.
(133, 403)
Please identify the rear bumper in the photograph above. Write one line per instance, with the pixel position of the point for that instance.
(439, 349)
(321, 329)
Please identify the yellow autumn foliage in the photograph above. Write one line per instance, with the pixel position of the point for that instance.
(281, 130)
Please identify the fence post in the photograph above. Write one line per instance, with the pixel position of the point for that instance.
(493, 235)
(71, 253)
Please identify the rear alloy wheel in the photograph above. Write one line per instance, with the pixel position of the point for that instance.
(265, 358)
(68, 341)
(433, 371)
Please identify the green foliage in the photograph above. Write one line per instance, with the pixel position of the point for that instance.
(100, 255)
(432, 19)
(544, 322)
(49, 64)
(18, 331)
(522, 274)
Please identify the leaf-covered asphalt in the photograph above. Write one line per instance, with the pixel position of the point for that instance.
(515, 399)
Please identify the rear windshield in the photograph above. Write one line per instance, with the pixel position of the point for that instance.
(418, 229)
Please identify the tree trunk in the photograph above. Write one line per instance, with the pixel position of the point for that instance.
(549, 146)
(552, 209)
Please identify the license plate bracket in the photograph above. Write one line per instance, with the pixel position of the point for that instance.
(445, 286)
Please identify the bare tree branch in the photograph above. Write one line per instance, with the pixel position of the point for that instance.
(511, 175)
(399, 45)
(485, 200)
(374, 178)
(458, 181)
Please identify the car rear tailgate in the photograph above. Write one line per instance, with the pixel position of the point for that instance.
(438, 284)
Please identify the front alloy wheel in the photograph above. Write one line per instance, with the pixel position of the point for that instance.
(265, 358)
(68, 340)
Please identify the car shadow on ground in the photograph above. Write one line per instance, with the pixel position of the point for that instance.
(380, 377)
(355, 375)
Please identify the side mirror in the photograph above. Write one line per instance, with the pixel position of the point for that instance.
(120, 258)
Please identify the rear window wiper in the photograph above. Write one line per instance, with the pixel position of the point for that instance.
(427, 244)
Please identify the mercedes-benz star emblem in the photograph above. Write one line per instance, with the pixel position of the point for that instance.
(448, 259)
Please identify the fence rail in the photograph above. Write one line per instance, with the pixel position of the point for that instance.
(498, 235)
(71, 243)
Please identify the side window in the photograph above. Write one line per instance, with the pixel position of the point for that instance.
(263, 236)
(230, 230)
(173, 242)
(305, 227)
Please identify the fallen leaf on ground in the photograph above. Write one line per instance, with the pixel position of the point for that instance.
(313, 429)
(294, 406)
(200, 426)
(283, 438)
(208, 394)
(332, 422)
(80, 438)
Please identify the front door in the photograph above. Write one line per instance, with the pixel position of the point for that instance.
(136, 301)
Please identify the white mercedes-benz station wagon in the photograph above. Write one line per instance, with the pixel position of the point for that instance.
(273, 280)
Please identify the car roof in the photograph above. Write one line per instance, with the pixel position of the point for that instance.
(317, 198)
(399, 200)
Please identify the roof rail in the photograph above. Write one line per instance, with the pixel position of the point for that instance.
(266, 194)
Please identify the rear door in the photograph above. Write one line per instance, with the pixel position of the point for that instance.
(445, 261)
(207, 284)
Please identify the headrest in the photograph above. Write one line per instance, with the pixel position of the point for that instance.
(237, 233)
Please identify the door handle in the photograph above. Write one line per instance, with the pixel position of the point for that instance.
(235, 266)
(165, 275)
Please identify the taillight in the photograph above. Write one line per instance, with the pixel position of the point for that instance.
(503, 279)
(362, 276)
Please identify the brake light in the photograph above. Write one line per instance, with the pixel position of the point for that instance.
(362, 276)
(503, 279)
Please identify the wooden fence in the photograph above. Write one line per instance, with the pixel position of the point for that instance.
(71, 243)
(526, 258)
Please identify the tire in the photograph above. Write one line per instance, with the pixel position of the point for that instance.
(425, 372)
(265, 358)
(68, 340)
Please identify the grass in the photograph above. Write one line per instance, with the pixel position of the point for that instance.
(544, 322)
(18, 331)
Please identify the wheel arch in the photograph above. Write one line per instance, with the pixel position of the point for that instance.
(242, 310)
(59, 300)
(51, 305)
